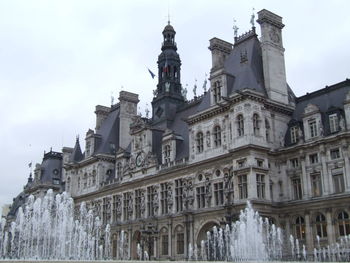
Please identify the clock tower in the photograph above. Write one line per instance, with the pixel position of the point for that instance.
(168, 96)
(273, 56)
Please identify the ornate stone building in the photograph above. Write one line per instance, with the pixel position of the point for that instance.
(165, 180)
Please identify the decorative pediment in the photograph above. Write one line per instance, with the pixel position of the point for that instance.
(311, 108)
(138, 124)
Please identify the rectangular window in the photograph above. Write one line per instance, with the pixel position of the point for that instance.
(242, 186)
(241, 163)
(200, 197)
(297, 188)
(165, 245)
(294, 163)
(164, 198)
(313, 158)
(115, 205)
(338, 182)
(312, 128)
(126, 202)
(260, 185)
(259, 162)
(219, 193)
(138, 203)
(333, 123)
(335, 153)
(180, 243)
(294, 134)
(316, 185)
(104, 210)
(178, 195)
(150, 193)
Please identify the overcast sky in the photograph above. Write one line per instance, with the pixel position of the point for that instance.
(58, 59)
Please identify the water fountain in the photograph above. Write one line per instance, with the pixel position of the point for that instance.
(46, 229)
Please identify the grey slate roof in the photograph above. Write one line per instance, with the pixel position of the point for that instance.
(51, 167)
(76, 155)
(248, 73)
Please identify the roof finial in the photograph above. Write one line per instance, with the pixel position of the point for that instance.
(168, 14)
(252, 22)
(195, 88)
(235, 28)
(112, 98)
(147, 111)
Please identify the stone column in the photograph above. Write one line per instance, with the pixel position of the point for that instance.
(326, 176)
(330, 227)
(345, 151)
(251, 181)
(170, 230)
(304, 179)
(308, 234)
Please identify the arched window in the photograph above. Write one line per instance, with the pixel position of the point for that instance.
(199, 141)
(300, 228)
(217, 136)
(343, 223)
(267, 130)
(240, 125)
(167, 151)
(321, 225)
(119, 169)
(217, 92)
(256, 124)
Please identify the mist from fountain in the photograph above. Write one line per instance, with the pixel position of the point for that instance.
(46, 229)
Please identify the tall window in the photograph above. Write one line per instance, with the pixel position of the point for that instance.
(199, 141)
(178, 195)
(316, 184)
(126, 203)
(200, 196)
(343, 224)
(260, 185)
(119, 169)
(267, 130)
(167, 151)
(338, 182)
(321, 225)
(294, 163)
(104, 210)
(217, 136)
(294, 134)
(312, 128)
(180, 243)
(150, 194)
(256, 124)
(333, 123)
(138, 203)
(165, 245)
(219, 193)
(297, 188)
(243, 186)
(115, 208)
(313, 158)
(300, 228)
(217, 92)
(164, 198)
(335, 153)
(240, 125)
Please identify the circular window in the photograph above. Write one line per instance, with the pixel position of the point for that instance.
(200, 177)
(55, 172)
(218, 173)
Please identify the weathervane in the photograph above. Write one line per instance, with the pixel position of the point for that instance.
(235, 28)
(252, 18)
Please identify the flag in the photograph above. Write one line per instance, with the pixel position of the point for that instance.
(152, 74)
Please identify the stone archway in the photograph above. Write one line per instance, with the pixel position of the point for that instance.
(136, 239)
(202, 233)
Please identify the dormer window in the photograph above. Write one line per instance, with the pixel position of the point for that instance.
(199, 141)
(312, 128)
(217, 92)
(333, 123)
(217, 136)
(294, 134)
(167, 151)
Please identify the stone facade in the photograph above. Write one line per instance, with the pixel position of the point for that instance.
(166, 180)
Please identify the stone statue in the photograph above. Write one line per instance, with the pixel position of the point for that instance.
(300, 135)
(184, 93)
(252, 18)
(195, 89)
(320, 128)
(205, 84)
(235, 28)
(167, 87)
